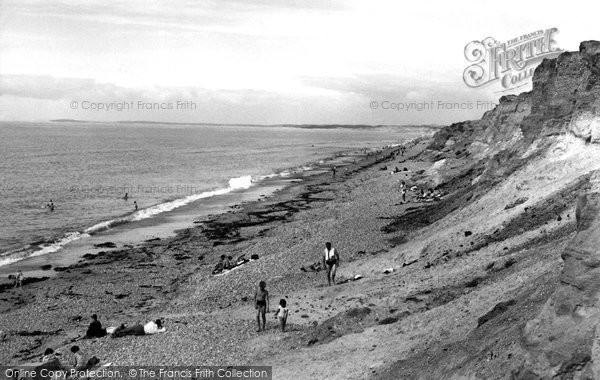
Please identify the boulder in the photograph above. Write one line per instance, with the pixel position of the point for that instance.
(108, 244)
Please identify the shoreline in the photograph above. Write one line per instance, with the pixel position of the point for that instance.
(267, 184)
(196, 251)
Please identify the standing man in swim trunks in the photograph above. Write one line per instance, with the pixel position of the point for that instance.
(331, 261)
(261, 304)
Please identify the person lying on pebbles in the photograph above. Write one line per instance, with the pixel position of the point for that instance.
(150, 328)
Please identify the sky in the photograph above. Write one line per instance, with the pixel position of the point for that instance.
(262, 62)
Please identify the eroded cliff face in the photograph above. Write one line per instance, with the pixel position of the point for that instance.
(565, 99)
(550, 130)
(563, 341)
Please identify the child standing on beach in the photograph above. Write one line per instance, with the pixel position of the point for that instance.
(282, 314)
(261, 304)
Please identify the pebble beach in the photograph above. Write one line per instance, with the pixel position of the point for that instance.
(210, 320)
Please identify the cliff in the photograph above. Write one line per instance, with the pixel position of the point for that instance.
(551, 133)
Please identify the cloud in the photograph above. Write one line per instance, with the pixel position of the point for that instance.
(346, 100)
(393, 86)
(49, 87)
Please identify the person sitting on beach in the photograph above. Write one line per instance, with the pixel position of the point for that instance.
(95, 329)
(126, 196)
(51, 362)
(331, 261)
(220, 266)
(241, 260)
(228, 263)
(78, 360)
(50, 357)
(261, 304)
(282, 314)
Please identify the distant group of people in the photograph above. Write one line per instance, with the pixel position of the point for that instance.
(331, 261)
(95, 329)
(227, 263)
(126, 197)
(423, 195)
(50, 205)
(429, 195)
(77, 360)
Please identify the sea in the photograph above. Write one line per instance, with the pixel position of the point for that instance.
(173, 172)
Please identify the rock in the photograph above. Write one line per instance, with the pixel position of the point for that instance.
(474, 282)
(589, 47)
(516, 202)
(388, 320)
(497, 310)
(510, 262)
(358, 312)
(108, 244)
(468, 233)
(46, 267)
(562, 340)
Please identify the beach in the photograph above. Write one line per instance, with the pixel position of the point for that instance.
(170, 278)
(423, 286)
(339, 190)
